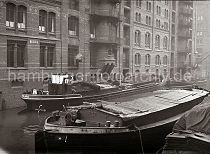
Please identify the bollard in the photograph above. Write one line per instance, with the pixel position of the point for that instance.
(108, 123)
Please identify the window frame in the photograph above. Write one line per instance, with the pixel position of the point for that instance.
(47, 56)
(157, 41)
(17, 56)
(43, 21)
(73, 51)
(147, 40)
(73, 26)
(10, 15)
(51, 22)
(147, 59)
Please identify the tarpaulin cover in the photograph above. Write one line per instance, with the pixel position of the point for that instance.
(197, 119)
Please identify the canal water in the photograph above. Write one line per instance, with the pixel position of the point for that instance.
(17, 129)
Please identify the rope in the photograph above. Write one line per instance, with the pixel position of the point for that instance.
(161, 149)
(140, 137)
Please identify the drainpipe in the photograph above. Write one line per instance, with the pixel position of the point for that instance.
(61, 37)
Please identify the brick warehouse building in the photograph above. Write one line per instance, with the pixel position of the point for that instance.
(46, 36)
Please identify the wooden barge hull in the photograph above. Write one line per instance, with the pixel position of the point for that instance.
(152, 129)
(54, 102)
(56, 142)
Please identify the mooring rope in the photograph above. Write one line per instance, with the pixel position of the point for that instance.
(141, 141)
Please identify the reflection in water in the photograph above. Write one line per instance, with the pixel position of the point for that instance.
(31, 129)
(17, 130)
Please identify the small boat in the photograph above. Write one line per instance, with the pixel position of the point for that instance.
(63, 90)
(191, 133)
(134, 125)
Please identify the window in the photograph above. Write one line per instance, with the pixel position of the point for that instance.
(47, 21)
(165, 25)
(137, 38)
(16, 53)
(157, 23)
(22, 17)
(173, 17)
(11, 20)
(147, 59)
(165, 42)
(157, 60)
(137, 59)
(51, 22)
(147, 40)
(166, 2)
(158, 10)
(73, 51)
(138, 17)
(173, 29)
(74, 4)
(47, 55)
(174, 5)
(173, 43)
(10, 15)
(165, 60)
(149, 6)
(138, 3)
(73, 26)
(166, 14)
(92, 30)
(157, 41)
(148, 20)
(42, 20)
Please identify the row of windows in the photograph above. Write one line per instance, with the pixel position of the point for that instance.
(16, 54)
(148, 59)
(148, 21)
(148, 5)
(165, 1)
(148, 40)
(47, 20)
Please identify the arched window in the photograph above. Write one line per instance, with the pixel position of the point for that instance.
(10, 15)
(138, 3)
(157, 60)
(137, 59)
(42, 20)
(147, 40)
(165, 60)
(147, 59)
(51, 22)
(137, 16)
(22, 10)
(137, 38)
(157, 41)
(157, 23)
(165, 42)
